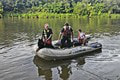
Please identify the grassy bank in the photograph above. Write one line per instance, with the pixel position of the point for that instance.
(55, 15)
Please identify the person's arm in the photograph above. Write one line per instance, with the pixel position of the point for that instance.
(78, 35)
(51, 33)
(60, 34)
(72, 34)
(49, 36)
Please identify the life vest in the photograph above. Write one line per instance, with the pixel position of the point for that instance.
(67, 31)
(46, 35)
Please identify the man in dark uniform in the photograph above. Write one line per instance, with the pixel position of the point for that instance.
(46, 40)
(67, 36)
(47, 36)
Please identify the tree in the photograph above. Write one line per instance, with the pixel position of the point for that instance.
(1, 8)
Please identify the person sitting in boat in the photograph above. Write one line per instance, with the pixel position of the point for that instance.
(67, 36)
(81, 37)
(47, 36)
(46, 39)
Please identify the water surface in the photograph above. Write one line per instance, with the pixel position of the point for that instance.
(18, 61)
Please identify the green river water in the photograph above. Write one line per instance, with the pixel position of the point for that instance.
(18, 60)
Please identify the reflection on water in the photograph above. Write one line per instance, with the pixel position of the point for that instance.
(46, 68)
(18, 61)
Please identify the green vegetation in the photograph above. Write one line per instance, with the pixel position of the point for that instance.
(58, 8)
(1, 9)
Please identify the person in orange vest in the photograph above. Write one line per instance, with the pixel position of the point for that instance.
(67, 36)
(81, 37)
(47, 36)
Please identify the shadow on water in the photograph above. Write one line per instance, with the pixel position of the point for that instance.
(45, 68)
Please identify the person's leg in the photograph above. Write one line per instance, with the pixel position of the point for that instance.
(63, 42)
(80, 41)
(69, 44)
(85, 41)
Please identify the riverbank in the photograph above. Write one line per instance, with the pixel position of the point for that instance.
(55, 15)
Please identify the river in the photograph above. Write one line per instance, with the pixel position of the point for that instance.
(18, 60)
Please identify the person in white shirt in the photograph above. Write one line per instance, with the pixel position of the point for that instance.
(81, 37)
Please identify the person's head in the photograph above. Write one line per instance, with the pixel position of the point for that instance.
(46, 26)
(80, 30)
(66, 25)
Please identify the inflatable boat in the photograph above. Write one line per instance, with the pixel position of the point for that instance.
(67, 53)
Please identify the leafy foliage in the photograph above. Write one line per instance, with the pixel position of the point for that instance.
(80, 7)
